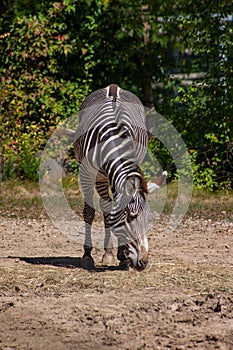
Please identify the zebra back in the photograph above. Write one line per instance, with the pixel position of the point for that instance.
(127, 111)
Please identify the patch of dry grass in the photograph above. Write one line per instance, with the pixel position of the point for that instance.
(195, 278)
(22, 199)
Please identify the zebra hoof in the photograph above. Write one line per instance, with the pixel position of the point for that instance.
(108, 259)
(87, 262)
(125, 264)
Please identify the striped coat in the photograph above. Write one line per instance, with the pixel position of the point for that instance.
(111, 142)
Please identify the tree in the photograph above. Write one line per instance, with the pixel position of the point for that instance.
(203, 110)
(55, 53)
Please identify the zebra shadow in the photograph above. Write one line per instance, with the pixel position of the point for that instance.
(65, 261)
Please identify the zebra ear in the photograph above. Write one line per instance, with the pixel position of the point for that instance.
(156, 183)
(132, 183)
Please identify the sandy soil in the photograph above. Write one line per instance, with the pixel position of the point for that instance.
(183, 300)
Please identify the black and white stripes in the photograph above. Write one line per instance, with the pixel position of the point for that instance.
(111, 142)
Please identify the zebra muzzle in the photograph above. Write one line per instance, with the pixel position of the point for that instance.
(142, 259)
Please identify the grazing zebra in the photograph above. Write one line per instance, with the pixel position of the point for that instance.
(110, 144)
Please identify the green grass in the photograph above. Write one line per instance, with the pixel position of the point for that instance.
(22, 199)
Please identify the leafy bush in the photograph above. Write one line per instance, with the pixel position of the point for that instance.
(39, 85)
(201, 110)
(55, 53)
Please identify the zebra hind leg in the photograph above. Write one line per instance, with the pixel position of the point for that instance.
(88, 214)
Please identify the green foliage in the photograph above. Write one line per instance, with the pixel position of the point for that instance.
(21, 159)
(201, 110)
(54, 53)
(30, 161)
(39, 86)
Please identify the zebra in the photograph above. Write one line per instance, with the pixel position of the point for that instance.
(110, 145)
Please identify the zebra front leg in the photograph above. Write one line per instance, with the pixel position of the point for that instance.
(108, 257)
(122, 250)
(122, 255)
(106, 207)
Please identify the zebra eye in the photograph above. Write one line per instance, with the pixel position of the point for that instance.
(131, 214)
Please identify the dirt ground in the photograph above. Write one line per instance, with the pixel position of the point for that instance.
(183, 300)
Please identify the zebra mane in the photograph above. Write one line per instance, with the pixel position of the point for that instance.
(143, 181)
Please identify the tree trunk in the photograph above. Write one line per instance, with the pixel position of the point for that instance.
(147, 77)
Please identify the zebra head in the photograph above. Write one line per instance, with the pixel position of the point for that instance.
(130, 223)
